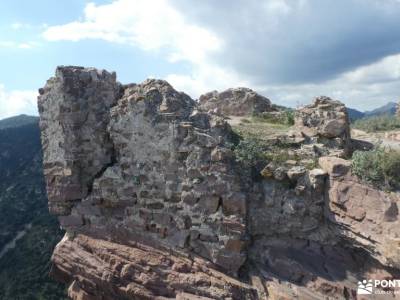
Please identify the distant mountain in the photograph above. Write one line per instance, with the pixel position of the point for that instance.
(18, 121)
(28, 233)
(387, 109)
(355, 114)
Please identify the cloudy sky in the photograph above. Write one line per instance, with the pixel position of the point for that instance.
(288, 50)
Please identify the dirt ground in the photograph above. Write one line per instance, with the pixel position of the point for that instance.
(390, 139)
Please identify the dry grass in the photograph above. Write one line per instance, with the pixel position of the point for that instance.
(253, 128)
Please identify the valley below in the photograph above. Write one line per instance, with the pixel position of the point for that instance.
(11, 245)
(28, 233)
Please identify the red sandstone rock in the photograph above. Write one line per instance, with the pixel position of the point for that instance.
(98, 269)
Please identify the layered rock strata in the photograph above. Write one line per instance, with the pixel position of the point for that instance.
(366, 216)
(156, 207)
(105, 270)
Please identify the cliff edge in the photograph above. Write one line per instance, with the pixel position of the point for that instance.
(156, 206)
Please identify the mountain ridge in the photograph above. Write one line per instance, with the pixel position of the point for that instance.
(17, 121)
(386, 109)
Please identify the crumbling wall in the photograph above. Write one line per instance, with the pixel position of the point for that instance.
(143, 166)
(325, 121)
(74, 109)
(138, 169)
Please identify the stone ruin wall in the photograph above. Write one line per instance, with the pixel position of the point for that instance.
(138, 166)
(141, 168)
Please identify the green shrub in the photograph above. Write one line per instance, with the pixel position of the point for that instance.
(380, 167)
(289, 117)
(391, 169)
(250, 152)
(285, 117)
(378, 123)
(281, 155)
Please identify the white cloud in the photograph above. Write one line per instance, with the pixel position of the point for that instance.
(364, 88)
(19, 45)
(150, 25)
(204, 78)
(385, 70)
(290, 50)
(19, 26)
(154, 25)
(6, 44)
(16, 102)
(25, 46)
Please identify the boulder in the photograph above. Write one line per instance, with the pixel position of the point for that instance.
(235, 102)
(327, 119)
(367, 217)
(296, 172)
(334, 166)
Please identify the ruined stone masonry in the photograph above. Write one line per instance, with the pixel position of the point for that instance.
(155, 206)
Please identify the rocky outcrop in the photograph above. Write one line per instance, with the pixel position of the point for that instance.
(325, 121)
(235, 102)
(156, 206)
(369, 218)
(113, 271)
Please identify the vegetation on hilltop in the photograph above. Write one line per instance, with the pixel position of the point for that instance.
(262, 141)
(377, 123)
(18, 121)
(284, 117)
(379, 167)
(258, 146)
(262, 127)
(24, 269)
(250, 152)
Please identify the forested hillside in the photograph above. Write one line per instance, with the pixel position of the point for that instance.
(28, 233)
